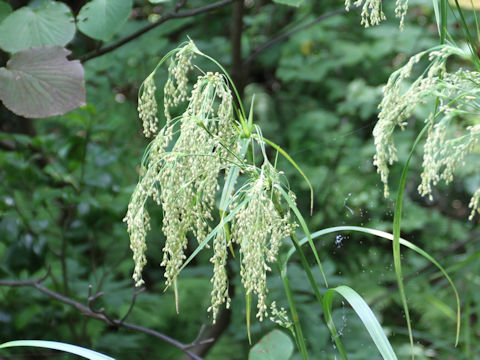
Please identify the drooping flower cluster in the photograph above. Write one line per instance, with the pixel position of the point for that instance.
(372, 13)
(147, 107)
(183, 179)
(258, 229)
(180, 171)
(447, 143)
(189, 177)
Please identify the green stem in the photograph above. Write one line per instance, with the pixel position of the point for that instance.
(293, 310)
(397, 218)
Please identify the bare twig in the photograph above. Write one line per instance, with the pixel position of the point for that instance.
(132, 304)
(176, 14)
(98, 314)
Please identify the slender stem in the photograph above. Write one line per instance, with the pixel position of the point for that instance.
(293, 310)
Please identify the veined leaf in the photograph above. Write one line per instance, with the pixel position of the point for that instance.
(72, 349)
(41, 82)
(50, 24)
(276, 345)
(101, 19)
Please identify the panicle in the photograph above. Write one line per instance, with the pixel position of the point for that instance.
(258, 229)
(447, 143)
(397, 106)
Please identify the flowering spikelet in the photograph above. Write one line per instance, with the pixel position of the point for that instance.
(474, 204)
(220, 278)
(258, 228)
(372, 13)
(447, 143)
(279, 316)
(137, 218)
(176, 88)
(147, 107)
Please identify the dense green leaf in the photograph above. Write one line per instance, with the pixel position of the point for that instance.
(5, 10)
(50, 24)
(72, 349)
(101, 19)
(41, 82)
(276, 345)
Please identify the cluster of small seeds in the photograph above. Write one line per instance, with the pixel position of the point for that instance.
(147, 107)
(176, 88)
(444, 149)
(397, 106)
(258, 229)
(279, 316)
(372, 13)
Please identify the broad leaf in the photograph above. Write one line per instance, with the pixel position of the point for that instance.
(101, 19)
(5, 10)
(41, 82)
(289, 2)
(50, 24)
(72, 349)
(276, 345)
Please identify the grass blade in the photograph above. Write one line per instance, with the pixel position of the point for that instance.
(72, 349)
(385, 235)
(304, 226)
(364, 313)
(295, 165)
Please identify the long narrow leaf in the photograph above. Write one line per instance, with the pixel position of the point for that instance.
(364, 313)
(385, 235)
(295, 165)
(54, 345)
(397, 220)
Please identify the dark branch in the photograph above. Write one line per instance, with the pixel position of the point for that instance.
(176, 14)
(100, 314)
(282, 37)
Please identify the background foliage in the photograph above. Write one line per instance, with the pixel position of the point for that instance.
(65, 181)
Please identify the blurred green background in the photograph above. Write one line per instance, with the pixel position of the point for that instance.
(65, 183)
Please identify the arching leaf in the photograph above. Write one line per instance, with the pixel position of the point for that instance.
(41, 82)
(72, 349)
(50, 24)
(364, 313)
(101, 19)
